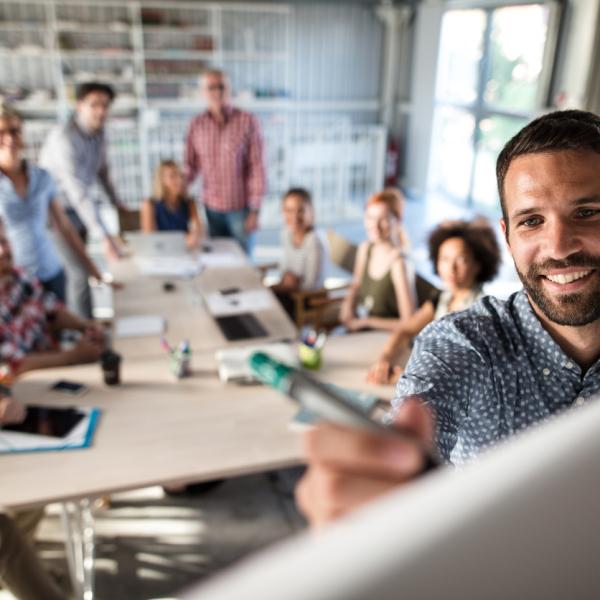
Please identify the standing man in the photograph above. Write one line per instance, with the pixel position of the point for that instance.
(75, 154)
(225, 146)
(478, 376)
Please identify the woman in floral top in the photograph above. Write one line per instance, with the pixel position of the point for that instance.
(31, 320)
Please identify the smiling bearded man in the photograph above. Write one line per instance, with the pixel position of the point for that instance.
(483, 374)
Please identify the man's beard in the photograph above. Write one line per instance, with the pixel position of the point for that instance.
(576, 309)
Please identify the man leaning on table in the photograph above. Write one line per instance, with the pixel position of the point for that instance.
(483, 374)
(224, 145)
(76, 155)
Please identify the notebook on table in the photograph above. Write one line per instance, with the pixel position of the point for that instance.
(50, 428)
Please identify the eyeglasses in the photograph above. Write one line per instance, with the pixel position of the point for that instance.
(217, 87)
(11, 131)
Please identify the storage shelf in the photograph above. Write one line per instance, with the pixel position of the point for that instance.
(72, 24)
(175, 54)
(23, 26)
(43, 53)
(99, 53)
(170, 29)
(93, 28)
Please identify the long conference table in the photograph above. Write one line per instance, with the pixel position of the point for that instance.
(156, 429)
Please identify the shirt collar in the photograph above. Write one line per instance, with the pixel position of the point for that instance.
(228, 111)
(548, 354)
(83, 129)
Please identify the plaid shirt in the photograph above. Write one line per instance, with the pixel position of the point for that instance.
(25, 311)
(230, 158)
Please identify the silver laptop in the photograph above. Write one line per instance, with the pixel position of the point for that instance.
(158, 243)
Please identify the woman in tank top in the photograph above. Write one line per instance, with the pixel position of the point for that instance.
(170, 209)
(465, 254)
(382, 290)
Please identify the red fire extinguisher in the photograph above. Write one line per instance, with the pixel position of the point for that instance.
(392, 163)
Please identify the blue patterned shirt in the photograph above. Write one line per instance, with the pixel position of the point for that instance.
(489, 372)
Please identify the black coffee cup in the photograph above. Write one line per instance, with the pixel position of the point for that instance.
(111, 363)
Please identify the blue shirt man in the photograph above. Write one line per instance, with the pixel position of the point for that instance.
(489, 372)
(476, 377)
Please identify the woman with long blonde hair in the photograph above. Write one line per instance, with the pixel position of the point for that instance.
(170, 209)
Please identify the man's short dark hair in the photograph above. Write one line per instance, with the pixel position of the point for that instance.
(560, 130)
(299, 191)
(90, 87)
(479, 237)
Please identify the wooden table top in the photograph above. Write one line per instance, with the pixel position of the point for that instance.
(157, 429)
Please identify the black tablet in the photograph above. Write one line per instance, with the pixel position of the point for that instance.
(43, 420)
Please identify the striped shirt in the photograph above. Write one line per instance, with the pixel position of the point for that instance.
(77, 158)
(229, 156)
(26, 223)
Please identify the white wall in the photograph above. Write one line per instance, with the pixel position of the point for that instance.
(428, 27)
(576, 53)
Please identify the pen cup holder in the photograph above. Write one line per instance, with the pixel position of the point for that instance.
(310, 357)
(180, 364)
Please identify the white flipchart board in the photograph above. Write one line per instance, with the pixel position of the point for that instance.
(522, 523)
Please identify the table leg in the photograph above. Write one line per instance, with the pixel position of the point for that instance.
(78, 523)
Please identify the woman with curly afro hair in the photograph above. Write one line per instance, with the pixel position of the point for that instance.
(465, 255)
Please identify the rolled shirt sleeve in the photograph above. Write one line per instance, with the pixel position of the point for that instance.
(255, 177)
(191, 159)
(58, 156)
(449, 374)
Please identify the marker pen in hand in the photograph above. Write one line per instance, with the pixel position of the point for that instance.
(325, 402)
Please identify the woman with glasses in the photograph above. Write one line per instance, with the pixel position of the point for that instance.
(28, 201)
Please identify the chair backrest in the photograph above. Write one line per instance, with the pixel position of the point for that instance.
(424, 289)
(342, 252)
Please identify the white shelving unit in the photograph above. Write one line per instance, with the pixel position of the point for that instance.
(153, 53)
(150, 51)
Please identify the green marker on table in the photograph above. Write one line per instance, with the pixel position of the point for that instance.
(323, 401)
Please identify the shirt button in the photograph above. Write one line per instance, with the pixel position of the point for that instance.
(546, 372)
(569, 365)
(580, 401)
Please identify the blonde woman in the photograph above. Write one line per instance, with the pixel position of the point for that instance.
(382, 289)
(170, 209)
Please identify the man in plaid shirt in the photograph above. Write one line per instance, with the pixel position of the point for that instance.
(224, 145)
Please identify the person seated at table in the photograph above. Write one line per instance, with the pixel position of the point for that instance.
(31, 320)
(382, 289)
(170, 209)
(28, 201)
(20, 568)
(302, 261)
(465, 254)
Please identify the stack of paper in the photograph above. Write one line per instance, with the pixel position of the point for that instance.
(222, 259)
(139, 326)
(170, 266)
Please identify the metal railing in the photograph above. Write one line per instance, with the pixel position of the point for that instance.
(339, 162)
